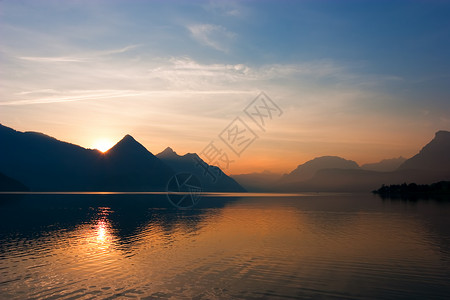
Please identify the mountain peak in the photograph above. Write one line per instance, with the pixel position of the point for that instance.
(309, 168)
(442, 134)
(434, 156)
(167, 153)
(127, 145)
(128, 138)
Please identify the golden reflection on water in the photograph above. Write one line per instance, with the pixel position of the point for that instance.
(248, 248)
(102, 229)
(102, 233)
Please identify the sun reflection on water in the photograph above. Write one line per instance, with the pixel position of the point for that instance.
(249, 247)
(102, 232)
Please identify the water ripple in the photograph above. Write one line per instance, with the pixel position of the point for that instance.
(246, 249)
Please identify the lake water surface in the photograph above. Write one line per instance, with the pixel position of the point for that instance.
(321, 246)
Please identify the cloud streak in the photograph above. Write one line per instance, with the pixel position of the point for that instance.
(53, 59)
(89, 95)
(214, 36)
(84, 57)
(160, 76)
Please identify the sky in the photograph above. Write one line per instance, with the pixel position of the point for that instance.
(364, 80)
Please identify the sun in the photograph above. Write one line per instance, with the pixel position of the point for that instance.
(103, 145)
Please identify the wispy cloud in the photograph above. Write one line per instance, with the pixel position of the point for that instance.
(82, 57)
(52, 96)
(154, 77)
(225, 8)
(214, 36)
(53, 59)
(179, 70)
(69, 96)
(115, 51)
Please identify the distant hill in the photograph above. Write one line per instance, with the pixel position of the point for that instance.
(385, 165)
(349, 180)
(43, 163)
(257, 182)
(266, 182)
(309, 169)
(211, 177)
(335, 174)
(431, 164)
(434, 157)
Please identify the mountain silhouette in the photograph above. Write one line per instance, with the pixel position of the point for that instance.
(267, 182)
(168, 153)
(128, 146)
(257, 182)
(309, 169)
(8, 184)
(335, 174)
(385, 165)
(346, 180)
(130, 166)
(43, 163)
(211, 177)
(431, 164)
(38, 162)
(435, 156)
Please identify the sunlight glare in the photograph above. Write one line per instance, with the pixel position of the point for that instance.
(103, 145)
(101, 232)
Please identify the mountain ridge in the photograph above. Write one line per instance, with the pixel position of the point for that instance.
(43, 163)
(385, 165)
(426, 159)
(209, 175)
(308, 169)
(431, 164)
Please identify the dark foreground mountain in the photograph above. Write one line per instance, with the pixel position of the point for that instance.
(8, 184)
(130, 166)
(43, 163)
(211, 177)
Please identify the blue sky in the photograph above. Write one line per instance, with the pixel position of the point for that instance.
(365, 80)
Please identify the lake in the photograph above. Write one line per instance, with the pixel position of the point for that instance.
(306, 246)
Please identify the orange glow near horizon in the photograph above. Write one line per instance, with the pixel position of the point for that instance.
(103, 145)
(282, 156)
